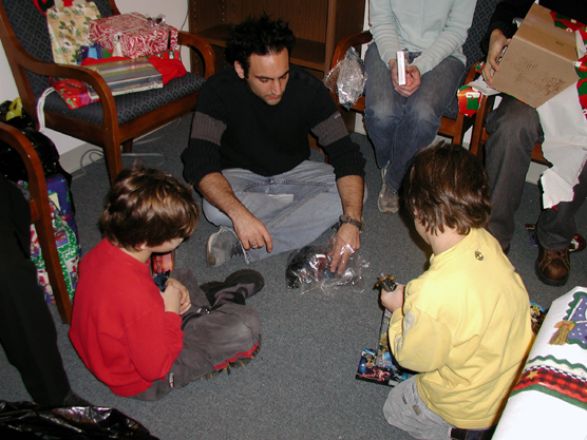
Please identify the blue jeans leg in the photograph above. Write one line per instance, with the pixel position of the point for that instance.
(513, 128)
(296, 206)
(398, 126)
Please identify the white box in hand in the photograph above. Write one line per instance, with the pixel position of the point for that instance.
(401, 67)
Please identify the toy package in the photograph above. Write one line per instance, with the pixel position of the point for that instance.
(161, 267)
(379, 366)
(308, 270)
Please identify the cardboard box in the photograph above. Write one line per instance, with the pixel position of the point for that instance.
(539, 61)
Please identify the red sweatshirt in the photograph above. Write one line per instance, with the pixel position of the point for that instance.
(119, 326)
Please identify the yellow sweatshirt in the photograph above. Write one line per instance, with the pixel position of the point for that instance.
(465, 327)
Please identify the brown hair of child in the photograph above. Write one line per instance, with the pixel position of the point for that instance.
(147, 206)
(447, 187)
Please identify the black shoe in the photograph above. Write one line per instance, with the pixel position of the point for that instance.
(553, 266)
(236, 288)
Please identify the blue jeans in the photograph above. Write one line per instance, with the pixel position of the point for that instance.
(296, 206)
(398, 126)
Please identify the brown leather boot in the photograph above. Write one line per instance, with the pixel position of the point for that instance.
(553, 266)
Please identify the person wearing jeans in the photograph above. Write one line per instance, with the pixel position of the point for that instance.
(402, 119)
(308, 191)
(248, 154)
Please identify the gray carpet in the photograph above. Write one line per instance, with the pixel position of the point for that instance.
(301, 385)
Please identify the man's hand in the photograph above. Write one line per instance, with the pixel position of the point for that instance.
(392, 300)
(346, 242)
(413, 79)
(176, 297)
(252, 233)
(497, 44)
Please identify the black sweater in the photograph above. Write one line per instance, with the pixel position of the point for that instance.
(234, 128)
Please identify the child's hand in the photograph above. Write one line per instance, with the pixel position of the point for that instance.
(184, 300)
(392, 300)
(176, 297)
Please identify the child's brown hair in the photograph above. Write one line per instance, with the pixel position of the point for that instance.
(147, 206)
(447, 186)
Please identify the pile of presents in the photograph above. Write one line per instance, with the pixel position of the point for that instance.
(131, 52)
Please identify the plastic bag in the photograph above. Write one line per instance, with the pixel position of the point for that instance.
(307, 268)
(349, 77)
(26, 420)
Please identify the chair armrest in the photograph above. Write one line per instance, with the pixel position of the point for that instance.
(40, 214)
(353, 40)
(80, 73)
(203, 47)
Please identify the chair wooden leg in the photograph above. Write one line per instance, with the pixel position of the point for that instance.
(113, 157)
(127, 146)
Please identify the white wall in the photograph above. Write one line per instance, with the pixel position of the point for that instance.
(175, 12)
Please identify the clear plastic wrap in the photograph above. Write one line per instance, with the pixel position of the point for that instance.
(27, 420)
(308, 269)
(347, 78)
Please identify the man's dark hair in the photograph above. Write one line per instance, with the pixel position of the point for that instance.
(147, 206)
(258, 36)
(447, 186)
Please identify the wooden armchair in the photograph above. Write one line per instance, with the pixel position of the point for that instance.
(113, 121)
(452, 124)
(40, 214)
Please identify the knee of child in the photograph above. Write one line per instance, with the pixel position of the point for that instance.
(245, 322)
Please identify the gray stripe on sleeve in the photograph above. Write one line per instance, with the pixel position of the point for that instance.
(207, 128)
(330, 130)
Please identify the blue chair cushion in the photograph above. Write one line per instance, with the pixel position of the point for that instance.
(131, 105)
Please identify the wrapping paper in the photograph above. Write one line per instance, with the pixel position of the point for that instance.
(550, 398)
(68, 25)
(133, 35)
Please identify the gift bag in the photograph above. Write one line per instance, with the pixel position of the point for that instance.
(66, 240)
(69, 28)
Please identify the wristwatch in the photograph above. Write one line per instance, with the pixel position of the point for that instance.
(348, 219)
